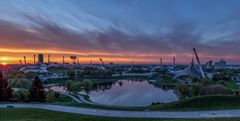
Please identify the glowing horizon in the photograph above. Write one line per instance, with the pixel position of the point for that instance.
(12, 56)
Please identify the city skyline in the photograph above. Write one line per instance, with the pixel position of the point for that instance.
(120, 30)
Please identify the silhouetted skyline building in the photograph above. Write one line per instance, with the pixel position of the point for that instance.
(40, 58)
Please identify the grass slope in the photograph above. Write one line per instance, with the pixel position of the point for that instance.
(44, 115)
(196, 103)
(201, 103)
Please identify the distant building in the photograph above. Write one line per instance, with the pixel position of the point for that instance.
(222, 64)
(209, 64)
(73, 58)
(40, 58)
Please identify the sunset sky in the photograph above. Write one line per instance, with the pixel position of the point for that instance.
(120, 30)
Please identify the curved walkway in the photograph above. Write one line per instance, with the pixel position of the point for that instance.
(129, 114)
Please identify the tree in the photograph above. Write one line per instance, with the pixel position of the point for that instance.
(50, 96)
(195, 79)
(76, 87)
(88, 85)
(24, 83)
(183, 90)
(71, 73)
(5, 89)
(37, 91)
(68, 85)
(196, 89)
(206, 81)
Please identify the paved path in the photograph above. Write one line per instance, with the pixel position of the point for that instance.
(129, 114)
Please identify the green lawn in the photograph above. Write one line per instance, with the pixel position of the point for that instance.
(201, 103)
(231, 85)
(44, 115)
(196, 103)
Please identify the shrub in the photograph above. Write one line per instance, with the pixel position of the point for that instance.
(214, 90)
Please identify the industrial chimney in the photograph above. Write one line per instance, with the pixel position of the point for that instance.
(174, 62)
(48, 59)
(161, 61)
(63, 60)
(34, 59)
(25, 61)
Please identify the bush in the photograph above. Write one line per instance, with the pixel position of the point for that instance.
(20, 95)
(214, 90)
(182, 90)
(196, 89)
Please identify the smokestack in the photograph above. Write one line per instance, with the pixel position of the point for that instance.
(174, 62)
(77, 61)
(34, 59)
(63, 60)
(48, 59)
(91, 62)
(161, 61)
(25, 62)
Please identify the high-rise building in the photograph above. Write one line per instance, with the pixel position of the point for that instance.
(40, 58)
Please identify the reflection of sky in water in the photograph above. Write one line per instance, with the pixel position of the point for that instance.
(58, 88)
(132, 93)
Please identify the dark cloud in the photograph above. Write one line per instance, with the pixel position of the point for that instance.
(45, 34)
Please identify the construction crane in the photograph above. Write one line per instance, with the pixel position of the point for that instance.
(200, 66)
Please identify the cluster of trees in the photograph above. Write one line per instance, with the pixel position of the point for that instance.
(5, 89)
(201, 87)
(27, 91)
(76, 86)
(223, 75)
(89, 72)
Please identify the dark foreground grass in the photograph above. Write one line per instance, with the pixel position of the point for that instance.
(45, 115)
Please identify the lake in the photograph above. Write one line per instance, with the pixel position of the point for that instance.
(129, 93)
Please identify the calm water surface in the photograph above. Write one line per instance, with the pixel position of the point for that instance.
(129, 93)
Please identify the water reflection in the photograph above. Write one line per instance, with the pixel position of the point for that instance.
(131, 93)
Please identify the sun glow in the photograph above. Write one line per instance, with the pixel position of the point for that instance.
(4, 63)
